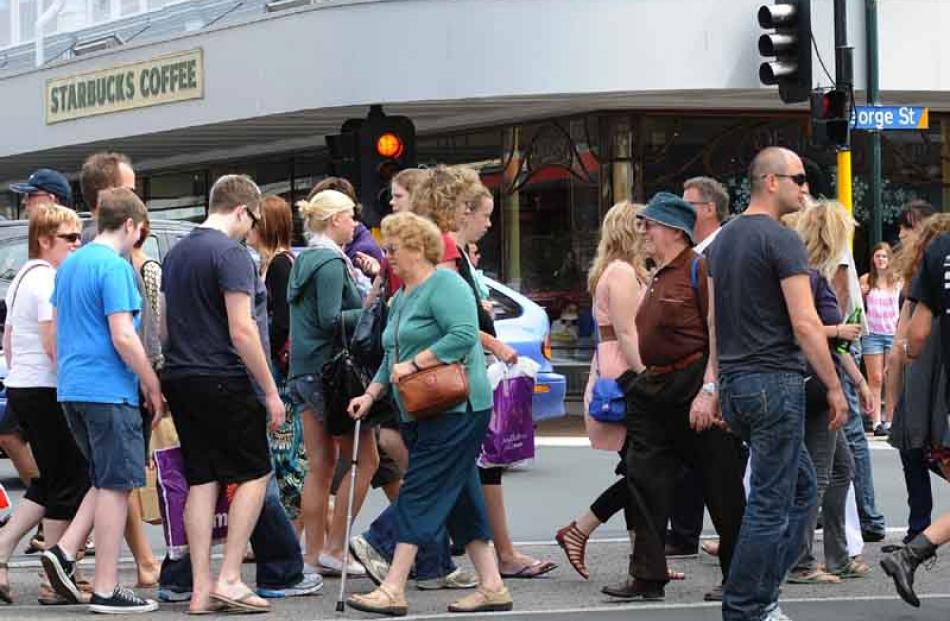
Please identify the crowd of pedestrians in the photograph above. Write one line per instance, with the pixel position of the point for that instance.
(734, 345)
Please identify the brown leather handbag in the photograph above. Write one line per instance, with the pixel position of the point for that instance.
(429, 392)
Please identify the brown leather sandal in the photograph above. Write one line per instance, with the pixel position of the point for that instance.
(574, 543)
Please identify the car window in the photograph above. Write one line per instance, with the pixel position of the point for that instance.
(13, 254)
(151, 248)
(503, 306)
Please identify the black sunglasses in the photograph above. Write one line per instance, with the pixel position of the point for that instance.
(72, 238)
(255, 219)
(800, 179)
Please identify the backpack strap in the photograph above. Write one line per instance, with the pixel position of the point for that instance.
(694, 273)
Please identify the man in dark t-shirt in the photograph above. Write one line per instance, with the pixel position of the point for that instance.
(766, 326)
(213, 353)
(931, 291)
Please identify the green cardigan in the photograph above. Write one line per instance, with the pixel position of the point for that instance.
(438, 315)
(320, 291)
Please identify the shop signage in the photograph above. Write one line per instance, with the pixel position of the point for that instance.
(890, 117)
(161, 80)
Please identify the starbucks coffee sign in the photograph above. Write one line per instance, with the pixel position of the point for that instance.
(161, 80)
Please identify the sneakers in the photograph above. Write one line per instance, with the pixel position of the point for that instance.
(60, 572)
(310, 584)
(172, 595)
(332, 566)
(458, 579)
(881, 431)
(376, 566)
(122, 601)
(776, 614)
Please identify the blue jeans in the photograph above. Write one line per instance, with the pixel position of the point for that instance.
(276, 551)
(433, 560)
(767, 410)
(871, 518)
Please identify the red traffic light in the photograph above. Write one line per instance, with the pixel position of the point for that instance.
(389, 145)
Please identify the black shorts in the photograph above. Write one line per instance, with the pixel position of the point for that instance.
(222, 426)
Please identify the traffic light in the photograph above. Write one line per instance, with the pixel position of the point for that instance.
(831, 118)
(790, 45)
(386, 145)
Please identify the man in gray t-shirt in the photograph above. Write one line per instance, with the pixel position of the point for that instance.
(766, 326)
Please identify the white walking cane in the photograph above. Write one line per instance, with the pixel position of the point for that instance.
(349, 517)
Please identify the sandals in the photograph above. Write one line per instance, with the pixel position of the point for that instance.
(856, 568)
(240, 603)
(814, 576)
(484, 601)
(532, 570)
(574, 543)
(380, 602)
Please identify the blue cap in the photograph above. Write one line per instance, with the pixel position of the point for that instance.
(672, 211)
(46, 180)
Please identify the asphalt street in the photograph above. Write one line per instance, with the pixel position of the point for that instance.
(545, 495)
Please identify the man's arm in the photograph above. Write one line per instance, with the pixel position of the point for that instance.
(127, 343)
(919, 330)
(704, 409)
(247, 341)
(810, 334)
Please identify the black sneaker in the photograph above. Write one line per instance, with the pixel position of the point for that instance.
(122, 601)
(60, 572)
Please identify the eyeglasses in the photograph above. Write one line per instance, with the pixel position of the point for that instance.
(696, 203)
(255, 219)
(644, 225)
(800, 179)
(72, 238)
(389, 249)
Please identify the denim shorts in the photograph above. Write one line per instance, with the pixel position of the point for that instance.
(306, 392)
(877, 343)
(109, 435)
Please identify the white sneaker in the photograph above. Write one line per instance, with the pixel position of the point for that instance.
(776, 614)
(332, 566)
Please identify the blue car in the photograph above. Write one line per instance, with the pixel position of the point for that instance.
(524, 325)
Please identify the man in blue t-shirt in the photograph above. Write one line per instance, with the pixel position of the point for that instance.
(100, 363)
(213, 352)
(931, 291)
(766, 326)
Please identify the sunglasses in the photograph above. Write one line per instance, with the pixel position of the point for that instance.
(800, 179)
(255, 219)
(72, 238)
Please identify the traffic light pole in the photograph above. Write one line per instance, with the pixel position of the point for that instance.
(844, 79)
(874, 99)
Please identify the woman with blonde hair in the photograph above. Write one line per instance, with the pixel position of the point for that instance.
(615, 282)
(433, 322)
(826, 230)
(324, 305)
(882, 289)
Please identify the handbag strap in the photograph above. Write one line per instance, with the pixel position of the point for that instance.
(20, 282)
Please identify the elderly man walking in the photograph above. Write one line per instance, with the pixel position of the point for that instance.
(672, 409)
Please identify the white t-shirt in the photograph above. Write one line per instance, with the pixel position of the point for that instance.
(700, 248)
(33, 287)
(855, 297)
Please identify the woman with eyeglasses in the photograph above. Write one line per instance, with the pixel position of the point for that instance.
(29, 346)
(325, 305)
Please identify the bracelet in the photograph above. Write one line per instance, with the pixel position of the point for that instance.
(414, 365)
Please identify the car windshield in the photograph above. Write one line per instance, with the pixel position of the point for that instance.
(12, 257)
(504, 307)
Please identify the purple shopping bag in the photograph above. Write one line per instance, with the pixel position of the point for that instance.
(172, 494)
(510, 437)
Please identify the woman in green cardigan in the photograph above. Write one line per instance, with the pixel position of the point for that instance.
(324, 300)
(435, 317)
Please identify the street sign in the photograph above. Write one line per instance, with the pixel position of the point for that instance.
(890, 118)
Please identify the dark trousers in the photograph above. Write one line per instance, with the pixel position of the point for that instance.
(659, 442)
(276, 551)
(64, 473)
(919, 496)
(686, 520)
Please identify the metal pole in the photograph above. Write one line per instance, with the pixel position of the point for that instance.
(844, 79)
(874, 99)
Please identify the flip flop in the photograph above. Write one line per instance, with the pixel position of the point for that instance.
(240, 604)
(213, 607)
(534, 570)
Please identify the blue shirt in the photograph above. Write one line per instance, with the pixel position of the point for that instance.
(91, 284)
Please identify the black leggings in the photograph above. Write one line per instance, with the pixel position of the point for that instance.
(490, 476)
(615, 498)
(64, 473)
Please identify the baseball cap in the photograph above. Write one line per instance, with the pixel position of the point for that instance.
(46, 180)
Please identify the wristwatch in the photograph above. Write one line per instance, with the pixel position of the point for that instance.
(710, 388)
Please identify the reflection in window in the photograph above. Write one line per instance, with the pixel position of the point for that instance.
(178, 196)
(13, 254)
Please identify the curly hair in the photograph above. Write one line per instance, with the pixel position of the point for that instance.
(410, 178)
(415, 233)
(439, 197)
(619, 241)
(912, 252)
(826, 228)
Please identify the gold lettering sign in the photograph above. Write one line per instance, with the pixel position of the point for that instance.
(149, 83)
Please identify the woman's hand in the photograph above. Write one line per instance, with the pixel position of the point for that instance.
(867, 402)
(401, 370)
(360, 406)
(367, 264)
(506, 353)
(849, 331)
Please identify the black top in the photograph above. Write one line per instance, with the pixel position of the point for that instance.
(748, 262)
(931, 287)
(278, 310)
(197, 272)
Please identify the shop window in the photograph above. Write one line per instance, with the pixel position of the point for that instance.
(178, 196)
